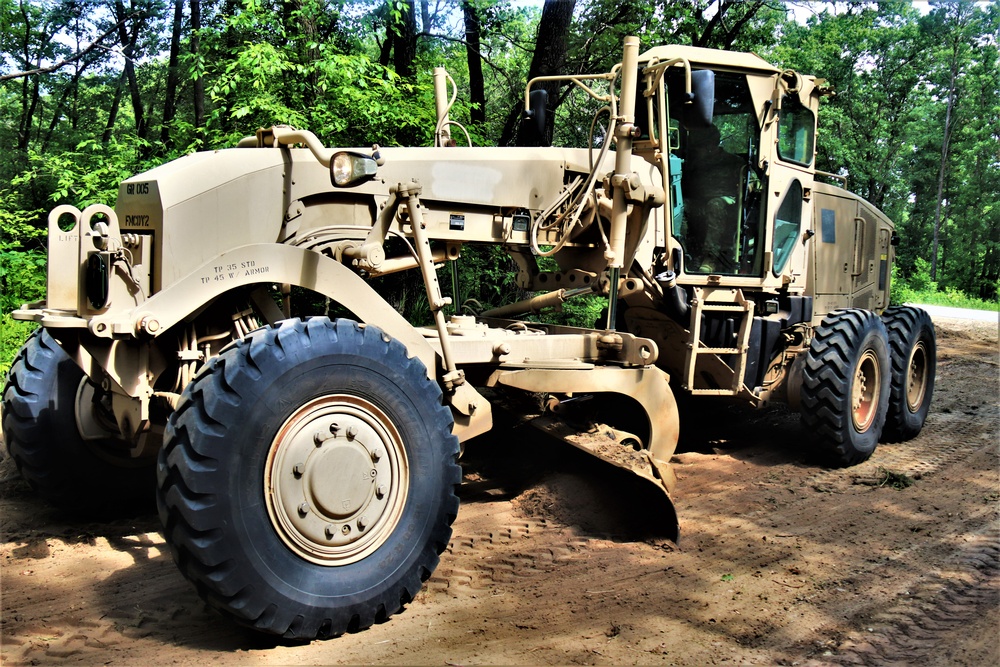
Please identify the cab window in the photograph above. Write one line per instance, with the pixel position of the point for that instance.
(787, 223)
(720, 180)
(796, 132)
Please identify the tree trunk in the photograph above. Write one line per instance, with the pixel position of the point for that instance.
(113, 111)
(231, 41)
(29, 88)
(404, 49)
(71, 89)
(173, 75)
(477, 87)
(425, 16)
(199, 81)
(548, 59)
(945, 145)
(128, 43)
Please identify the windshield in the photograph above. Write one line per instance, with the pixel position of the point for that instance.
(718, 221)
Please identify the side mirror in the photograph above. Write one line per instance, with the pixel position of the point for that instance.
(538, 100)
(700, 111)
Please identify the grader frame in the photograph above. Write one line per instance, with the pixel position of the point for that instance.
(306, 469)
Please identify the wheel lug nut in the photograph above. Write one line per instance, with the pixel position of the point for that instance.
(319, 437)
(329, 530)
(304, 509)
(381, 490)
(377, 454)
(299, 469)
(362, 523)
(334, 428)
(351, 432)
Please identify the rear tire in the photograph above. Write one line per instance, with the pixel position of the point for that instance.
(913, 352)
(40, 428)
(845, 385)
(307, 484)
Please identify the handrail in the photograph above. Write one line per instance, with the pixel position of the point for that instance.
(578, 79)
(836, 177)
(659, 68)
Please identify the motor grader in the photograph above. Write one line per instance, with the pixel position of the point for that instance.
(306, 469)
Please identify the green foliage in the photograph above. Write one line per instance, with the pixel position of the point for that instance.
(22, 273)
(13, 335)
(920, 280)
(587, 311)
(874, 58)
(486, 278)
(919, 288)
(900, 291)
(281, 73)
(90, 174)
(22, 255)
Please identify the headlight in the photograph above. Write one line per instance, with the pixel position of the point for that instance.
(347, 169)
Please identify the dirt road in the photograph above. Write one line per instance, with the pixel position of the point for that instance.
(895, 561)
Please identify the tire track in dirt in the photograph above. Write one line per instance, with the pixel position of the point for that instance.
(940, 605)
(134, 592)
(508, 554)
(89, 635)
(955, 436)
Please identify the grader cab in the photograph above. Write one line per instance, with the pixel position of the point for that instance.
(306, 469)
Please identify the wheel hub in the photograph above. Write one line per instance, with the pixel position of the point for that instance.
(336, 480)
(865, 391)
(916, 377)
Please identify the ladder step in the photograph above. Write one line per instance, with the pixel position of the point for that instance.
(712, 392)
(723, 307)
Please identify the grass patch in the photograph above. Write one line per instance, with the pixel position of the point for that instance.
(952, 298)
(896, 480)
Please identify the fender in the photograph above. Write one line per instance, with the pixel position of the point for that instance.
(253, 264)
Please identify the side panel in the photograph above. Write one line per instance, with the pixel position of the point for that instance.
(871, 284)
(201, 205)
(833, 248)
(851, 256)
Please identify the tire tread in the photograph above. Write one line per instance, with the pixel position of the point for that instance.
(903, 324)
(40, 431)
(827, 379)
(182, 463)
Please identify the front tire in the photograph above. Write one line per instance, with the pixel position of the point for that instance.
(913, 351)
(845, 385)
(307, 484)
(40, 404)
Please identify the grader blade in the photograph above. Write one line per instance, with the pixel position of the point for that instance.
(624, 451)
(574, 406)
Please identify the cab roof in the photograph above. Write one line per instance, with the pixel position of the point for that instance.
(710, 57)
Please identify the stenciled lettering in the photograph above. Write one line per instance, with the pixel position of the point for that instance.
(137, 221)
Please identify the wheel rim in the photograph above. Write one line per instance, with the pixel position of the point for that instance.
(916, 377)
(865, 391)
(336, 480)
(95, 424)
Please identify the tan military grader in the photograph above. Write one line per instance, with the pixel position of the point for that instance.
(306, 470)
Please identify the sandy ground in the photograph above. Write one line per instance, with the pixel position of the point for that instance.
(780, 561)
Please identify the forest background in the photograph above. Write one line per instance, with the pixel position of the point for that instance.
(94, 91)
